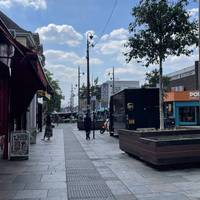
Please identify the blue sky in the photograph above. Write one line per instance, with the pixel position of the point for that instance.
(62, 25)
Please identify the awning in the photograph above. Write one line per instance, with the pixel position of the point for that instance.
(26, 79)
(27, 75)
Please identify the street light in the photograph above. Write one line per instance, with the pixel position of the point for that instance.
(79, 76)
(89, 44)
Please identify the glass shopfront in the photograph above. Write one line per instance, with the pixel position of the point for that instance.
(183, 107)
(187, 114)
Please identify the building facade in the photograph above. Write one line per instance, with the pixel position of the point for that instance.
(23, 77)
(107, 90)
(31, 41)
(182, 101)
(185, 79)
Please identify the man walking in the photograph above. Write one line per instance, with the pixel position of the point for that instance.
(87, 125)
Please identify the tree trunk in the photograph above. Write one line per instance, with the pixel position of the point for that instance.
(161, 96)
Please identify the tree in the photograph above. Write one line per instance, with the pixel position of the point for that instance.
(152, 79)
(160, 29)
(54, 103)
(95, 90)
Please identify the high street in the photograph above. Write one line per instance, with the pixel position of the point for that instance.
(69, 167)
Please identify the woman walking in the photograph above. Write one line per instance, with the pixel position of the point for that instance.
(48, 130)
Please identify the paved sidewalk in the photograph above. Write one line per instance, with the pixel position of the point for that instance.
(42, 177)
(70, 168)
(84, 182)
(127, 175)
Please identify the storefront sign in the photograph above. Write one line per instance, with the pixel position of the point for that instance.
(19, 144)
(182, 96)
(194, 94)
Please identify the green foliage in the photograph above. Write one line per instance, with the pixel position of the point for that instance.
(83, 92)
(54, 103)
(152, 79)
(160, 29)
(95, 90)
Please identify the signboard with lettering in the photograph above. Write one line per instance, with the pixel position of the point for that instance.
(194, 94)
(182, 96)
(19, 144)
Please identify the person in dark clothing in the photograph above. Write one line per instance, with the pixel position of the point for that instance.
(87, 126)
(48, 130)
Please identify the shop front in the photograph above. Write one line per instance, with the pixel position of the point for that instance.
(21, 76)
(183, 107)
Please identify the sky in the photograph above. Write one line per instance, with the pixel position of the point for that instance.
(63, 26)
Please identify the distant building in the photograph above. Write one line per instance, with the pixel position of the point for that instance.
(107, 90)
(184, 79)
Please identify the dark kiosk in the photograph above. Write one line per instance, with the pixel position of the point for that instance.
(134, 109)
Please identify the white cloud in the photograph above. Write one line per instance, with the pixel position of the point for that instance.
(36, 4)
(113, 43)
(5, 3)
(174, 63)
(62, 72)
(93, 61)
(66, 76)
(63, 65)
(111, 47)
(57, 56)
(60, 34)
(193, 12)
(128, 72)
(117, 34)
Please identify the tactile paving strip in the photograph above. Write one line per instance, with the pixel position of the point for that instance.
(83, 180)
(88, 191)
(79, 164)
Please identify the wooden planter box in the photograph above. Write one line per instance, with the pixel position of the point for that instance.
(162, 147)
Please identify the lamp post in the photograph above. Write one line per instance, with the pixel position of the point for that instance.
(89, 38)
(79, 77)
(113, 79)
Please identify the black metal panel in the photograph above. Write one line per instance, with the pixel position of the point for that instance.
(135, 108)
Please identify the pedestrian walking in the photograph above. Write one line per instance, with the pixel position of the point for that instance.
(48, 129)
(87, 125)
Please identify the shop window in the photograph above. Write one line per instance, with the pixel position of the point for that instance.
(187, 114)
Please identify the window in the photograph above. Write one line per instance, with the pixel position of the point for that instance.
(187, 114)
